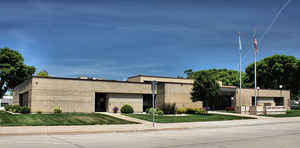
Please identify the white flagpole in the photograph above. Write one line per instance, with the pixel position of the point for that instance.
(240, 45)
(255, 85)
(255, 77)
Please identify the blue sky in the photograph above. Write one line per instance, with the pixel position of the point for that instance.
(115, 39)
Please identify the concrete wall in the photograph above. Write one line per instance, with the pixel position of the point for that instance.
(181, 95)
(262, 100)
(160, 79)
(118, 100)
(25, 87)
(74, 95)
(247, 95)
(160, 96)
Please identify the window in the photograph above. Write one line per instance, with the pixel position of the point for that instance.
(3, 104)
(267, 104)
(253, 101)
(279, 101)
(23, 99)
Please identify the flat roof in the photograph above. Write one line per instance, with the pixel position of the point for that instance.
(159, 77)
(64, 78)
(117, 81)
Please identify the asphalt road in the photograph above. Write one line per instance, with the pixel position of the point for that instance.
(276, 135)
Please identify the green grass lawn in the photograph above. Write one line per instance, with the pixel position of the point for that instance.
(7, 119)
(188, 118)
(291, 113)
(227, 111)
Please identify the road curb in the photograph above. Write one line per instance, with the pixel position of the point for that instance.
(50, 130)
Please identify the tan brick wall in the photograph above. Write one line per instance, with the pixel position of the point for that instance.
(181, 95)
(21, 89)
(247, 95)
(160, 79)
(160, 95)
(77, 95)
(135, 79)
(118, 100)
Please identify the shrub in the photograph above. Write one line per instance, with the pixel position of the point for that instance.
(116, 109)
(181, 110)
(190, 110)
(7, 107)
(200, 111)
(156, 111)
(168, 108)
(230, 108)
(127, 109)
(57, 110)
(17, 109)
(207, 108)
(39, 112)
(24, 110)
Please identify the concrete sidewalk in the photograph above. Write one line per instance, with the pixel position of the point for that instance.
(48, 130)
(120, 116)
(240, 115)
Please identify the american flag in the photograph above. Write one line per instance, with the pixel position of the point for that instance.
(255, 44)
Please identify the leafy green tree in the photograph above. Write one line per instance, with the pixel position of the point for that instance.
(274, 71)
(297, 82)
(43, 73)
(206, 87)
(228, 77)
(13, 70)
(188, 72)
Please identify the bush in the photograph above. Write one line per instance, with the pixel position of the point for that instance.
(116, 109)
(57, 110)
(24, 110)
(127, 109)
(17, 109)
(230, 108)
(13, 108)
(168, 108)
(7, 107)
(207, 108)
(190, 111)
(200, 111)
(39, 112)
(156, 111)
(181, 110)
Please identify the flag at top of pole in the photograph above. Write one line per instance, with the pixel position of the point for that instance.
(255, 44)
(240, 42)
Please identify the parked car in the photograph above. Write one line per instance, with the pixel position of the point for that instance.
(295, 104)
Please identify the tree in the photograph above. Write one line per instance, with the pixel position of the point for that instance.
(13, 70)
(228, 77)
(206, 87)
(188, 72)
(274, 71)
(43, 73)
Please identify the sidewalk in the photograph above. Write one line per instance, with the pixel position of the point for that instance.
(240, 115)
(45, 130)
(118, 115)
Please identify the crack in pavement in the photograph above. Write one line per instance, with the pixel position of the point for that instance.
(66, 141)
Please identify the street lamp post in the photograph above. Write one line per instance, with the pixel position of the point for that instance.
(0, 98)
(258, 88)
(154, 85)
(280, 86)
